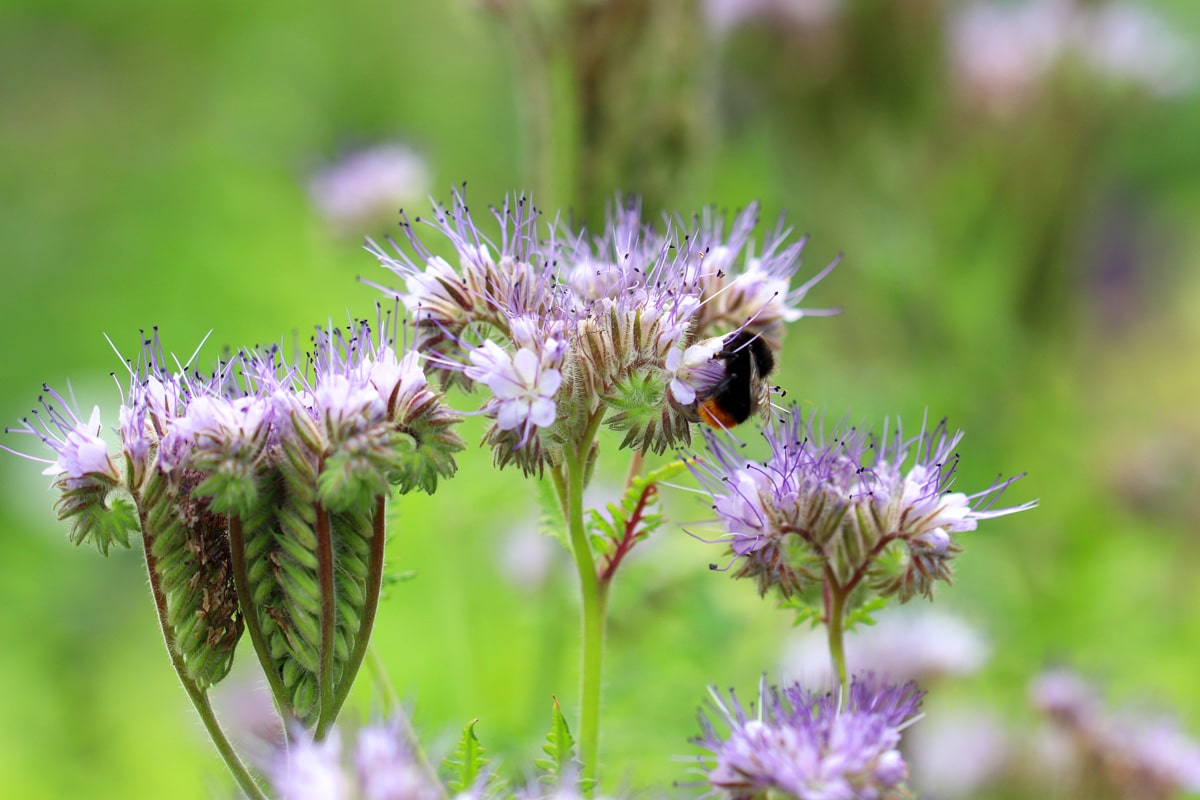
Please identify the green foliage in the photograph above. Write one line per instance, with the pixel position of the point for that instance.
(805, 610)
(98, 517)
(808, 608)
(231, 492)
(468, 762)
(864, 614)
(351, 479)
(621, 525)
(560, 761)
(189, 547)
(637, 408)
(635, 400)
(422, 449)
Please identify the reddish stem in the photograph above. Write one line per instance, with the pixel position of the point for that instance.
(631, 535)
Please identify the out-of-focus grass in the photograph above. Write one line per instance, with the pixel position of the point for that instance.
(153, 173)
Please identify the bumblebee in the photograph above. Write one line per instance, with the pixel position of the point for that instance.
(743, 391)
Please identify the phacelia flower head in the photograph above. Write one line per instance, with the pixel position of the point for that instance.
(847, 505)
(799, 744)
(288, 466)
(565, 329)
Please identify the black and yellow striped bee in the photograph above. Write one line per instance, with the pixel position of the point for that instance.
(743, 390)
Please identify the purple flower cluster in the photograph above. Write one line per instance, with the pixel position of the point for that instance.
(364, 187)
(848, 505)
(564, 328)
(258, 463)
(800, 744)
(382, 766)
(1136, 755)
(354, 396)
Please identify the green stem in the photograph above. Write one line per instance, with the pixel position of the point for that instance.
(198, 696)
(635, 467)
(241, 581)
(378, 670)
(367, 624)
(835, 613)
(328, 621)
(595, 604)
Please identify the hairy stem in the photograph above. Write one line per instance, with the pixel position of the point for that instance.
(198, 696)
(635, 467)
(594, 597)
(835, 620)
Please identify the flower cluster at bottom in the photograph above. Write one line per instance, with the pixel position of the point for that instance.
(811, 746)
(382, 767)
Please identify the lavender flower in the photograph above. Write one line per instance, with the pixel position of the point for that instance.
(523, 385)
(1135, 755)
(1002, 53)
(368, 185)
(84, 472)
(310, 770)
(382, 767)
(801, 745)
(845, 506)
(81, 455)
(959, 749)
(565, 329)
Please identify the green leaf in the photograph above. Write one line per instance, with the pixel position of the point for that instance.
(468, 761)
(606, 529)
(862, 615)
(98, 517)
(806, 611)
(560, 747)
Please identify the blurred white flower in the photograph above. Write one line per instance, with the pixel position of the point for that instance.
(1001, 53)
(955, 751)
(905, 644)
(725, 15)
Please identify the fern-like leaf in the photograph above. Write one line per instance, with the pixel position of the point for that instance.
(468, 762)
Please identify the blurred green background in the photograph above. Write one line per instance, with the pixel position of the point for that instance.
(1021, 260)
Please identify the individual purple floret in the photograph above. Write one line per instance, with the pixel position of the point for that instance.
(799, 744)
(81, 455)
